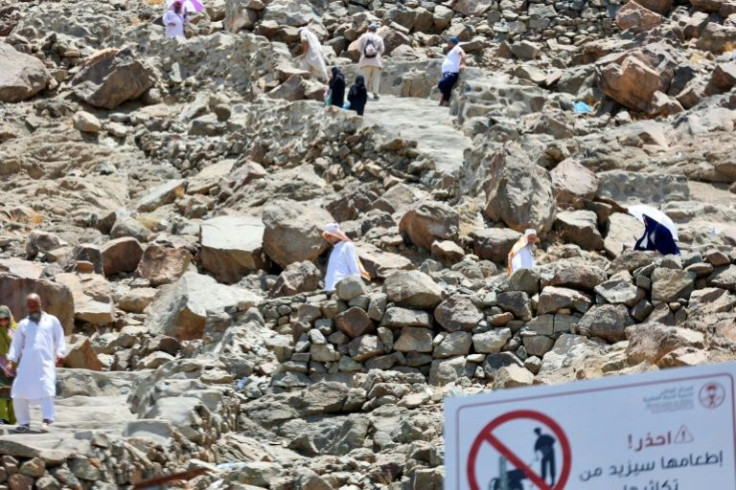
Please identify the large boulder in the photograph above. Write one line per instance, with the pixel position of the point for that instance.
(572, 182)
(472, 7)
(636, 18)
(232, 247)
(114, 78)
(458, 313)
(162, 195)
(608, 322)
(57, 298)
(581, 228)
(181, 311)
(241, 14)
(121, 255)
(92, 295)
(293, 231)
(494, 243)
(650, 342)
(298, 277)
(631, 82)
(413, 289)
(519, 192)
(22, 76)
(623, 231)
(293, 13)
(625, 187)
(163, 265)
(428, 221)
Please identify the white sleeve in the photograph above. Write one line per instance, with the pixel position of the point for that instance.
(59, 340)
(16, 346)
(353, 262)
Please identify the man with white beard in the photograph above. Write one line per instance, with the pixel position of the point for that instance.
(37, 348)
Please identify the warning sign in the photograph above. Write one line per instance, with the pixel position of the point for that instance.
(670, 430)
(544, 444)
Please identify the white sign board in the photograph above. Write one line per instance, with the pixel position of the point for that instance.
(666, 430)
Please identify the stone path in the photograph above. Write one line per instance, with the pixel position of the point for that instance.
(423, 121)
(80, 418)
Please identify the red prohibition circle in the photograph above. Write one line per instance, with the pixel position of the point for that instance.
(486, 436)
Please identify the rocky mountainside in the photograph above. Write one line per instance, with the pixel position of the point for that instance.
(166, 198)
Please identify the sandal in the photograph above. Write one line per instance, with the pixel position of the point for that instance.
(21, 429)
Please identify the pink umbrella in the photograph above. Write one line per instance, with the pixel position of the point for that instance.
(189, 5)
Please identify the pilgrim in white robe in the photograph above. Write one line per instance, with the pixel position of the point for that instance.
(524, 259)
(314, 59)
(37, 345)
(343, 262)
(174, 24)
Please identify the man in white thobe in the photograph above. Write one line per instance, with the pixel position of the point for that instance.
(314, 58)
(344, 261)
(520, 256)
(37, 347)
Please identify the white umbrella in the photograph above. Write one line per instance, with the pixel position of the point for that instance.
(640, 210)
(189, 5)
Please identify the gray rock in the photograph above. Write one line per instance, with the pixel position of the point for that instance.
(670, 284)
(554, 298)
(428, 221)
(181, 311)
(446, 371)
(396, 317)
(453, 344)
(412, 289)
(350, 288)
(492, 341)
(113, 79)
(494, 243)
(458, 313)
(414, 339)
(605, 321)
(232, 247)
(22, 75)
(519, 192)
(516, 302)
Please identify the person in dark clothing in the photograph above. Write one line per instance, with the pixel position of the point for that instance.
(657, 237)
(337, 87)
(545, 445)
(358, 95)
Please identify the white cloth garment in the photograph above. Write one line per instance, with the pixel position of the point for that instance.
(523, 259)
(452, 61)
(314, 58)
(22, 409)
(37, 345)
(177, 29)
(343, 263)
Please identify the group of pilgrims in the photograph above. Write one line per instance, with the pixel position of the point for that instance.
(31, 349)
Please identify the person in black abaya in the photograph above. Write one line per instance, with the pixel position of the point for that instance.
(358, 95)
(657, 237)
(337, 87)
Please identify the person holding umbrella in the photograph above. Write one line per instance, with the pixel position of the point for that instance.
(657, 237)
(660, 232)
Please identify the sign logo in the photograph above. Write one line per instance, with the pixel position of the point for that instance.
(546, 435)
(712, 395)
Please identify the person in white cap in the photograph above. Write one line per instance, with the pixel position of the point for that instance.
(344, 261)
(370, 63)
(520, 256)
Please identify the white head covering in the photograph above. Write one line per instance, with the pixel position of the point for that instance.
(333, 229)
(530, 231)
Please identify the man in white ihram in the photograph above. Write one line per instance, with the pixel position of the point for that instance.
(37, 347)
(344, 261)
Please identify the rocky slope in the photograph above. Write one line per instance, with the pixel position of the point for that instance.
(166, 198)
